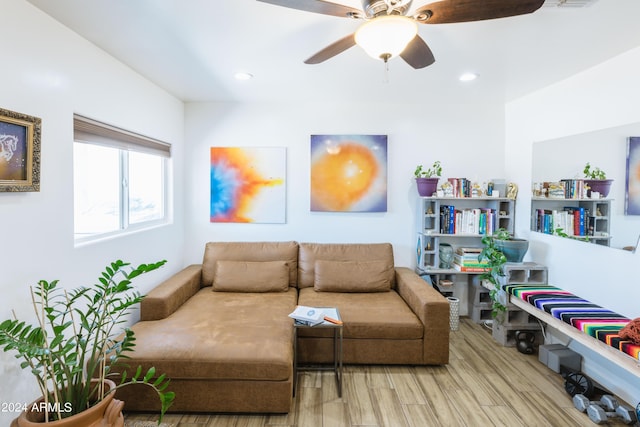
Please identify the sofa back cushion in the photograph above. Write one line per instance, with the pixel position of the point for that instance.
(310, 253)
(251, 252)
(251, 276)
(352, 276)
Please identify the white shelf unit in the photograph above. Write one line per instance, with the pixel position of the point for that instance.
(599, 210)
(430, 235)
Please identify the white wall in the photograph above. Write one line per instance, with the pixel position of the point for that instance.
(49, 72)
(467, 138)
(598, 98)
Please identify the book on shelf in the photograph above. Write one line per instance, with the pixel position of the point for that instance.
(477, 221)
(459, 267)
(461, 187)
(470, 260)
(579, 225)
(573, 221)
(468, 250)
(573, 188)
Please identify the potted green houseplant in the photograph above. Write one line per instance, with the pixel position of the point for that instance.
(74, 345)
(495, 260)
(514, 249)
(427, 179)
(596, 180)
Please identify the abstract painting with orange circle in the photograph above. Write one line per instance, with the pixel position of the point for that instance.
(349, 173)
(248, 184)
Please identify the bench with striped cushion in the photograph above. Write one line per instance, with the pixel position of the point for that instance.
(589, 318)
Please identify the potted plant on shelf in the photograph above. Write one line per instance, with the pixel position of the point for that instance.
(596, 180)
(514, 249)
(427, 179)
(73, 347)
(495, 260)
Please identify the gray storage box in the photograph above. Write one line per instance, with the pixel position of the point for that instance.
(543, 352)
(557, 355)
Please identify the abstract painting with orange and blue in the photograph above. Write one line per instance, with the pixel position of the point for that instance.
(349, 173)
(248, 184)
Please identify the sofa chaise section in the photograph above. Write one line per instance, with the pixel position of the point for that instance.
(221, 333)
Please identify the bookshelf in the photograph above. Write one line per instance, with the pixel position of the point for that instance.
(587, 220)
(460, 222)
(431, 233)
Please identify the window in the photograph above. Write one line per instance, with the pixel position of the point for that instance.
(119, 180)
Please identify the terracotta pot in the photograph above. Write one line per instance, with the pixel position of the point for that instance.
(427, 186)
(107, 413)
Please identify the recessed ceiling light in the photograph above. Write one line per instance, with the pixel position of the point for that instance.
(467, 77)
(243, 76)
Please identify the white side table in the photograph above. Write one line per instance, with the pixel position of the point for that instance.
(337, 348)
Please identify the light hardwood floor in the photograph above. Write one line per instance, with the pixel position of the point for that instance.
(484, 384)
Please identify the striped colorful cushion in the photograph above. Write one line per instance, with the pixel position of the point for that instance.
(583, 315)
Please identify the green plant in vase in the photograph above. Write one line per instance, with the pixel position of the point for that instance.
(427, 178)
(434, 171)
(595, 173)
(496, 261)
(596, 181)
(78, 339)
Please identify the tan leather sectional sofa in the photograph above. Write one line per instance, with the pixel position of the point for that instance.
(221, 333)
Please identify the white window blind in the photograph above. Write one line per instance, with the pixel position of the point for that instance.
(94, 132)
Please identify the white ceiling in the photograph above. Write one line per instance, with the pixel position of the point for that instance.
(192, 48)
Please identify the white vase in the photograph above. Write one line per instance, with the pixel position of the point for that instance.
(454, 313)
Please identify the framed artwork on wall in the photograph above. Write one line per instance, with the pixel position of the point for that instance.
(348, 173)
(19, 152)
(248, 184)
(632, 189)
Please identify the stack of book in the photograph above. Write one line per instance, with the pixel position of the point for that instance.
(466, 259)
(312, 316)
(573, 188)
(309, 316)
(461, 187)
(478, 221)
(573, 221)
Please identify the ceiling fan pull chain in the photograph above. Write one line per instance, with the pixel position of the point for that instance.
(386, 72)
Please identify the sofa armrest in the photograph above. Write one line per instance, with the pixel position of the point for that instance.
(168, 296)
(428, 304)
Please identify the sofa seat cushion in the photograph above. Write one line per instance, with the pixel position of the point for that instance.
(377, 315)
(221, 335)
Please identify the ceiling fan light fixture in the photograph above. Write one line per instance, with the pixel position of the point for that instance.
(468, 77)
(386, 36)
(242, 75)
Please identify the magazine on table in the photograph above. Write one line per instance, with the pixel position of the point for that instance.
(312, 316)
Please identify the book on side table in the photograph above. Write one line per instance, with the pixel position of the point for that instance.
(313, 316)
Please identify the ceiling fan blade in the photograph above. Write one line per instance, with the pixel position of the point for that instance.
(450, 11)
(332, 50)
(318, 6)
(417, 53)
